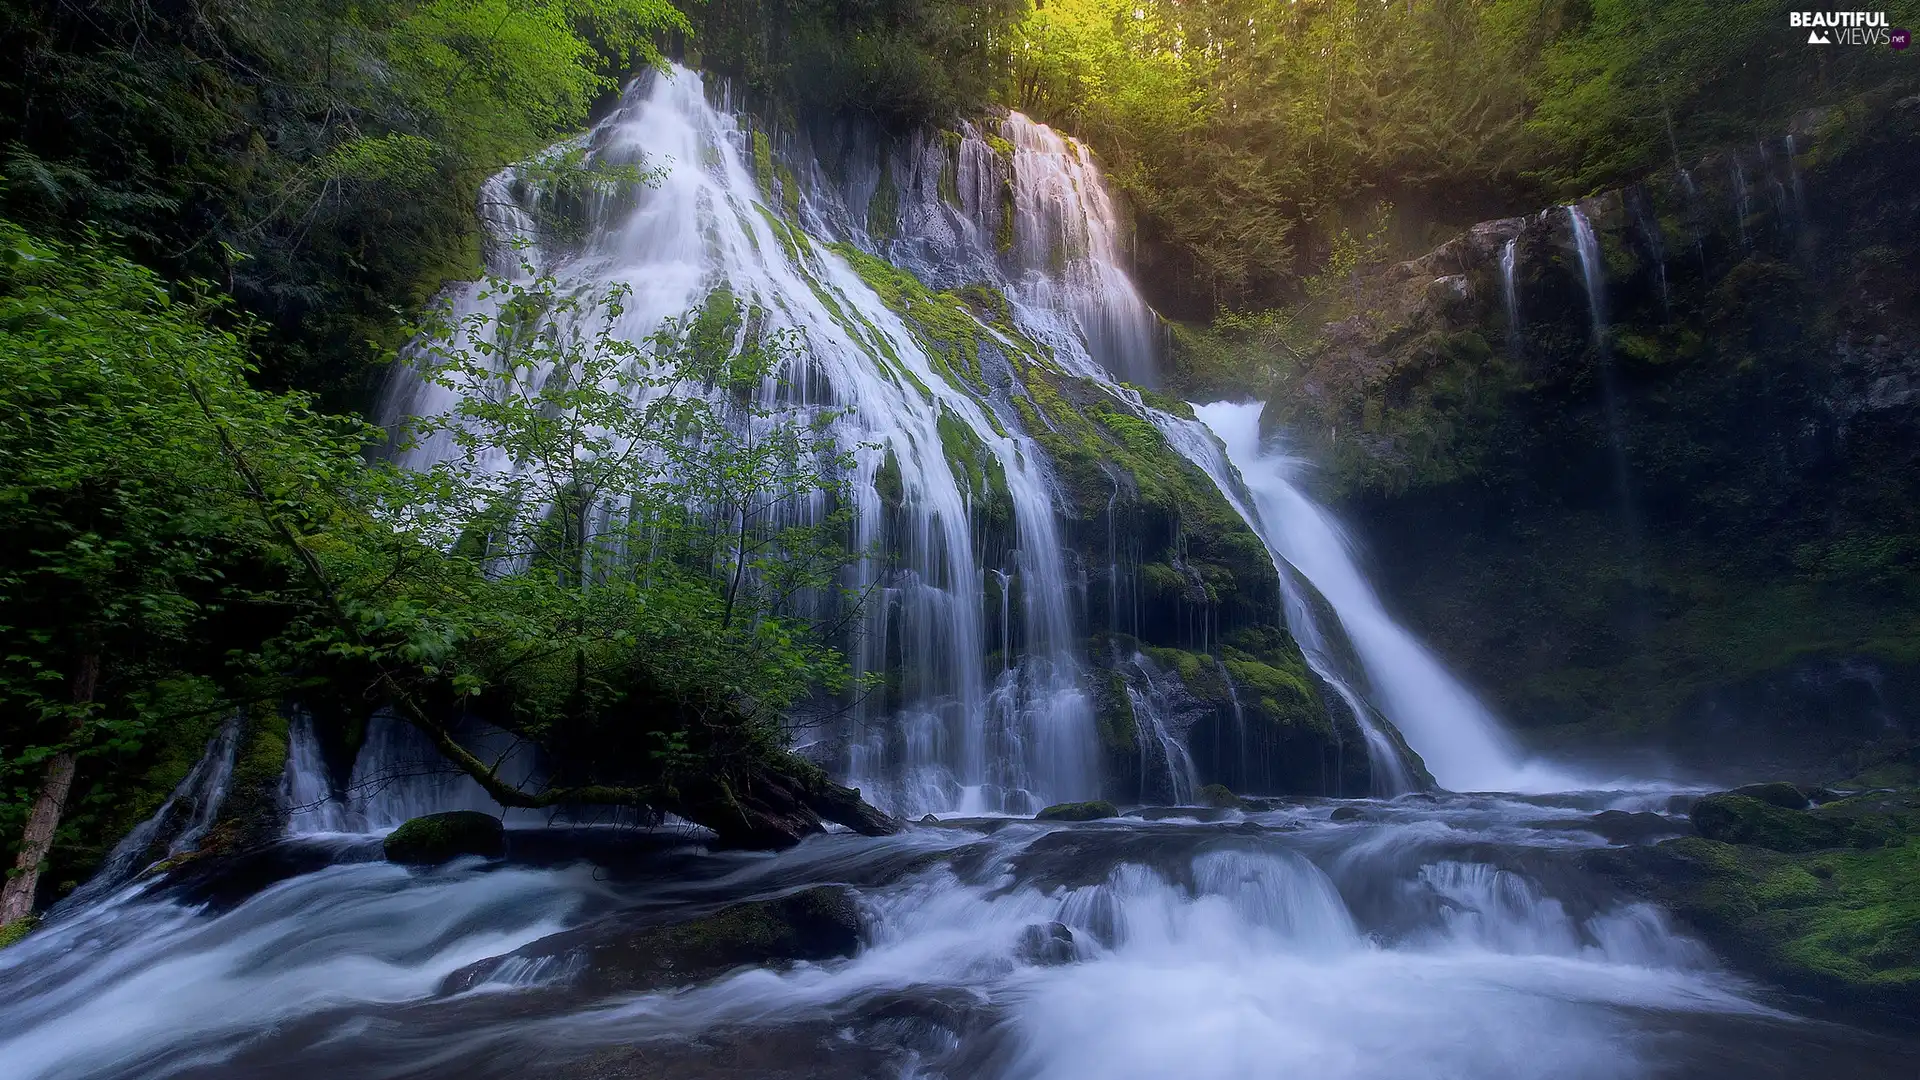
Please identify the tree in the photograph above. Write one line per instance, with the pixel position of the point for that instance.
(123, 529)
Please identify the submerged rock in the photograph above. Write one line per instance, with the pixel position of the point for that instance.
(616, 956)
(1047, 944)
(439, 837)
(1078, 811)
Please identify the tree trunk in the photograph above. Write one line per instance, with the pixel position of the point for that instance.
(16, 900)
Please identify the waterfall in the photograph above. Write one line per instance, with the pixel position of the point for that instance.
(1793, 173)
(182, 821)
(1196, 441)
(1462, 743)
(1167, 772)
(957, 741)
(397, 774)
(1510, 293)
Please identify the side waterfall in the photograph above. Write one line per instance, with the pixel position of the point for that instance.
(1461, 742)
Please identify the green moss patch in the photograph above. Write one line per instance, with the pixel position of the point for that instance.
(439, 837)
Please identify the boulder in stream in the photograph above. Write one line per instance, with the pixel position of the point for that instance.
(439, 837)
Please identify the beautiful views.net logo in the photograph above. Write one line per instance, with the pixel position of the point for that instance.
(1848, 28)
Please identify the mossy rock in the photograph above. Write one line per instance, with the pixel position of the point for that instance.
(17, 929)
(1733, 818)
(1840, 925)
(1778, 793)
(439, 837)
(1078, 811)
(1220, 796)
(614, 956)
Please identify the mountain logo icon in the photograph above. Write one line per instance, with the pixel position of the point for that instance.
(1817, 38)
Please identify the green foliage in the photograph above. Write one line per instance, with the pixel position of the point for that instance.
(1253, 135)
(618, 592)
(901, 62)
(319, 160)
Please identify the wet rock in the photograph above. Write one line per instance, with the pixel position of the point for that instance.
(439, 837)
(616, 956)
(929, 819)
(1346, 813)
(1078, 811)
(1046, 944)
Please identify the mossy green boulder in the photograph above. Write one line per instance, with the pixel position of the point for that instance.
(1078, 811)
(1824, 901)
(439, 837)
(1220, 796)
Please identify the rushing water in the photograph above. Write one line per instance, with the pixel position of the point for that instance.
(1454, 938)
(1461, 742)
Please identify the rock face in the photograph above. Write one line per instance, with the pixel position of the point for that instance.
(1687, 514)
(439, 837)
(614, 956)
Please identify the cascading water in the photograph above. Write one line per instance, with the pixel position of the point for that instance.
(1195, 441)
(397, 775)
(178, 827)
(1461, 742)
(959, 743)
(1593, 275)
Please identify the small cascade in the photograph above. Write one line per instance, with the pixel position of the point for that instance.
(1694, 216)
(1069, 272)
(1510, 293)
(1593, 272)
(1793, 176)
(397, 775)
(1649, 225)
(177, 828)
(1462, 743)
(1741, 200)
(1167, 773)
